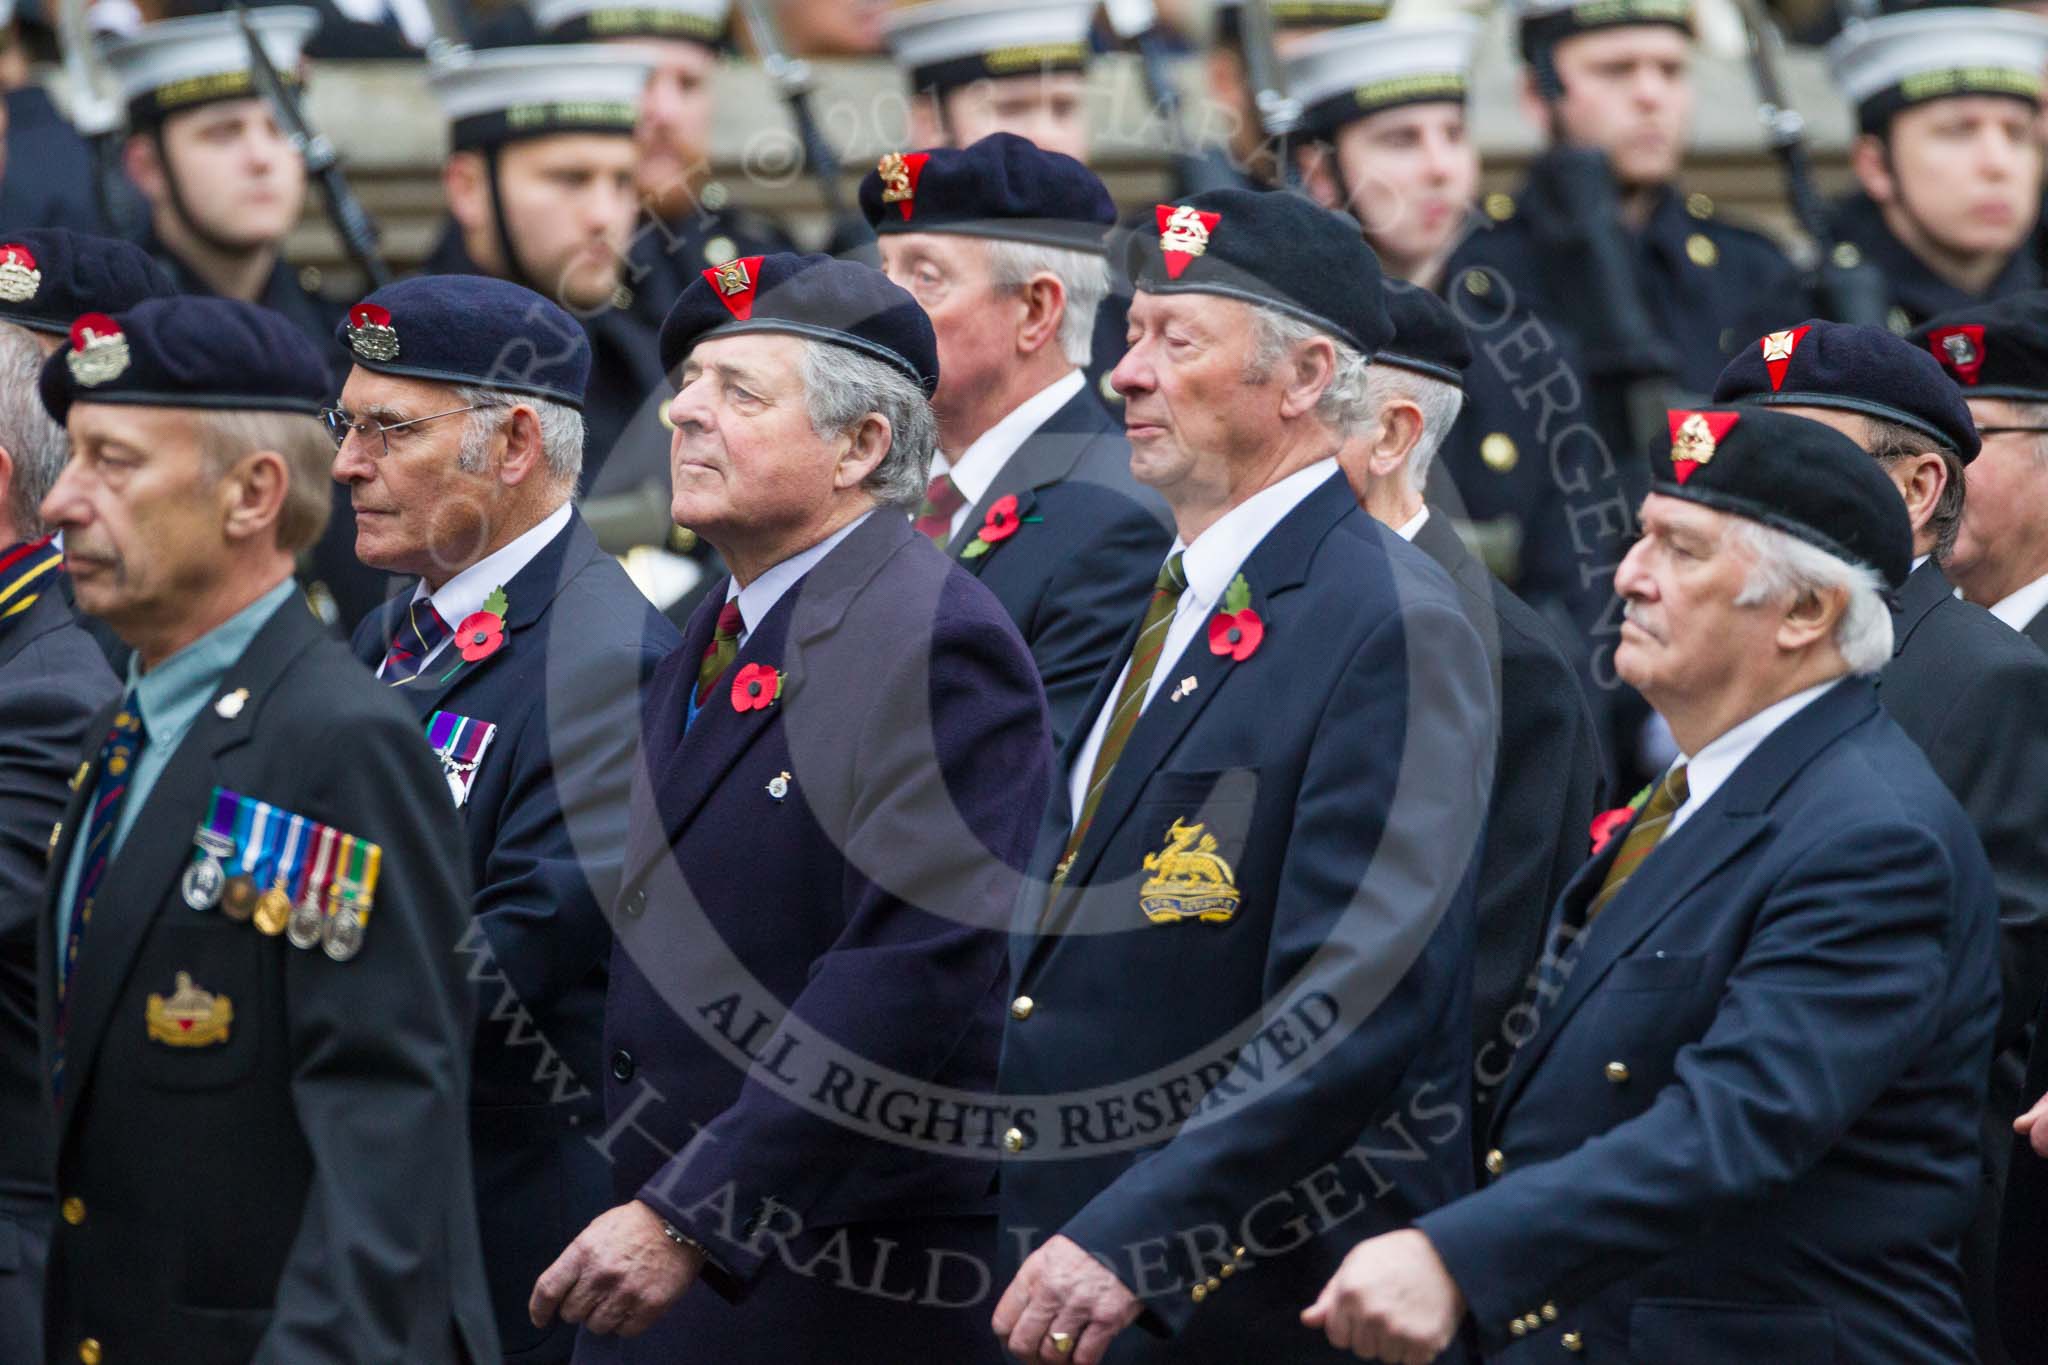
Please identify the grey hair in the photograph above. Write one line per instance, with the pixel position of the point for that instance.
(561, 430)
(1346, 406)
(1890, 442)
(1783, 566)
(37, 445)
(1440, 401)
(1083, 275)
(842, 386)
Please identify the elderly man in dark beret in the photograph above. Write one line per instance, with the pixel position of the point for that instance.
(521, 648)
(1962, 685)
(255, 1025)
(1746, 1126)
(1242, 970)
(843, 766)
(53, 677)
(1002, 245)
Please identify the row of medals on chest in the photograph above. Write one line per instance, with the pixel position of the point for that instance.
(336, 928)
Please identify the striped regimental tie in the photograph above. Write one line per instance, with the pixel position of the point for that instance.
(935, 517)
(723, 649)
(1123, 718)
(422, 634)
(1643, 835)
(103, 813)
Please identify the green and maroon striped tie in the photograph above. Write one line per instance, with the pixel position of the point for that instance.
(1651, 822)
(1172, 582)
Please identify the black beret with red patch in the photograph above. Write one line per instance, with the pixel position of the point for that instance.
(1278, 251)
(1993, 350)
(1866, 370)
(819, 297)
(1795, 475)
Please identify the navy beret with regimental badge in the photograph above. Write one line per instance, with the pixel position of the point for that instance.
(1277, 251)
(1801, 477)
(1865, 370)
(49, 276)
(1428, 338)
(817, 296)
(472, 330)
(187, 352)
(1993, 350)
(1003, 186)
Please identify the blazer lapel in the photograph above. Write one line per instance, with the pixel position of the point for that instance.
(1924, 590)
(527, 597)
(722, 733)
(1723, 830)
(1047, 456)
(139, 881)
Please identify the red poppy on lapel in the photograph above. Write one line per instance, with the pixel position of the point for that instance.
(1236, 630)
(754, 687)
(479, 635)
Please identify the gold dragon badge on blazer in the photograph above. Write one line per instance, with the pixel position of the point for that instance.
(191, 1017)
(1190, 879)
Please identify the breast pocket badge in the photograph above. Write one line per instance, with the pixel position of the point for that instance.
(459, 742)
(1190, 879)
(189, 1017)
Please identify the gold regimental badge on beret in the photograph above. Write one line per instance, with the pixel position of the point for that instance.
(191, 1017)
(1695, 436)
(1190, 879)
(98, 350)
(19, 277)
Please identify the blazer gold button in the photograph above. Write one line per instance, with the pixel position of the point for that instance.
(1013, 1141)
(1021, 1007)
(1618, 1072)
(1531, 1321)
(1550, 1312)
(1573, 1341)
(73, 1210)
(89, 1351)
(1199, 1292)
(1496, 1162)
(1518, 1328)
(1227, 1271)
(1214, 1284)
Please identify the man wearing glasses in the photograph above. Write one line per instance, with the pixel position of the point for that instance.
(521, 647)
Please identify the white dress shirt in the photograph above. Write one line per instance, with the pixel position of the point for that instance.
(1210, 563)
(1408, 529)
(759, 597)
(976, 469)
(463, 595)
(1716, 762)
(2019, 608)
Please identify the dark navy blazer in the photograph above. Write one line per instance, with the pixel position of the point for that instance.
(1073, 577)
(1745, 1128)
(818, 887)
(545, 822)
(1546, 783)
(1342, 769)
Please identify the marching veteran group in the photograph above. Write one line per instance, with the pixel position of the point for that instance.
(1082, 885)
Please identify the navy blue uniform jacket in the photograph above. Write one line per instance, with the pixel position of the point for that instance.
(1070, 577)
(819, 887)
(1342, 770)
(1545, 786)
(1746, 1126)
(545, 829)
(52, 680)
